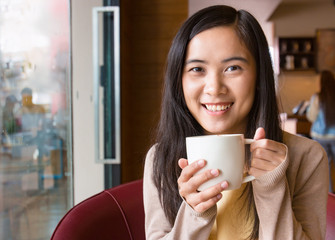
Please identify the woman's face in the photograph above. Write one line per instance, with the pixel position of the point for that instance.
(219, 81)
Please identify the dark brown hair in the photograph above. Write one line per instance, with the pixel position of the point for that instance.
(177, 123)
(327, 96)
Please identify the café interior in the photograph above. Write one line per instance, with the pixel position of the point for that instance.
(48, 159)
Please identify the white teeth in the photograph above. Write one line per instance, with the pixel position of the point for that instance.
(217, 108)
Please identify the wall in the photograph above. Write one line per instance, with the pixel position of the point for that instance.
(88, 177)
(285, 19)
(261, 9)
(296, 87)
(294, 20)
(147, 30)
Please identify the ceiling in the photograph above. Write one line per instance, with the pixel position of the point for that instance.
(261, 9)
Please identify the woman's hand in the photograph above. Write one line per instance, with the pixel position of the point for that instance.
(266, 154)
(188, 184)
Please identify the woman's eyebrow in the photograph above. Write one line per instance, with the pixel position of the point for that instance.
(195, 61)
(235, 59)
(223, 61)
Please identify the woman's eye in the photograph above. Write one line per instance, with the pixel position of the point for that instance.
(196, 69)
(232, 68)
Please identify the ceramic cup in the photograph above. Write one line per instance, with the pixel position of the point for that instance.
(223, 152)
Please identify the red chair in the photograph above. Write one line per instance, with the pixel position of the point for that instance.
(330, 233)
(116, 213)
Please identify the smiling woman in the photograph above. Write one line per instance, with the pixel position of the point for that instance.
(219, 79)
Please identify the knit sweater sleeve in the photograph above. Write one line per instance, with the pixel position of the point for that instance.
(291, 200)
(188, 224)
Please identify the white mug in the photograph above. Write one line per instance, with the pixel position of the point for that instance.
(224, 152)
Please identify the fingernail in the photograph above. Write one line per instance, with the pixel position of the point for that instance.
(201, 163)
(219, 196)
(214, 172)
(224, 185)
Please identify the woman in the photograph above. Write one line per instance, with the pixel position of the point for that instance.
(219, 80)
(322, 113)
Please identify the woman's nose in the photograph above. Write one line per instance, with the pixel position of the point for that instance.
(214, 85)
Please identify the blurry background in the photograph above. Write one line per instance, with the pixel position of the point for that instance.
(35, 174)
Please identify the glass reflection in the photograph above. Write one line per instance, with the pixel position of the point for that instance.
(35, 174)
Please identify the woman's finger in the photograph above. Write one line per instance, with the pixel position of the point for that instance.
(259, 134)
(263, 164)
(269, 145)
(190, 170)
(182, 163)
(194, 183)
(267, 155)
(203, 200)
(256, 172)
(203, 206)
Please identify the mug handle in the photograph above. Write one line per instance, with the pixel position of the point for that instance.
(248, 140)
(249, 177)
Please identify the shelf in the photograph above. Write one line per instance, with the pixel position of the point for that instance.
(297, 53)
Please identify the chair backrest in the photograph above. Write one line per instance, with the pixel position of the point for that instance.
(330, 233)
(116, 213)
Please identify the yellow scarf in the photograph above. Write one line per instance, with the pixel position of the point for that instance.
(232, 221)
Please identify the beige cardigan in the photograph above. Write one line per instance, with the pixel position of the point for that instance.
(291, 200)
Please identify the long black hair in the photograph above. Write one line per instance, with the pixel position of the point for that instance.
(327, 96)
(177, 123)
